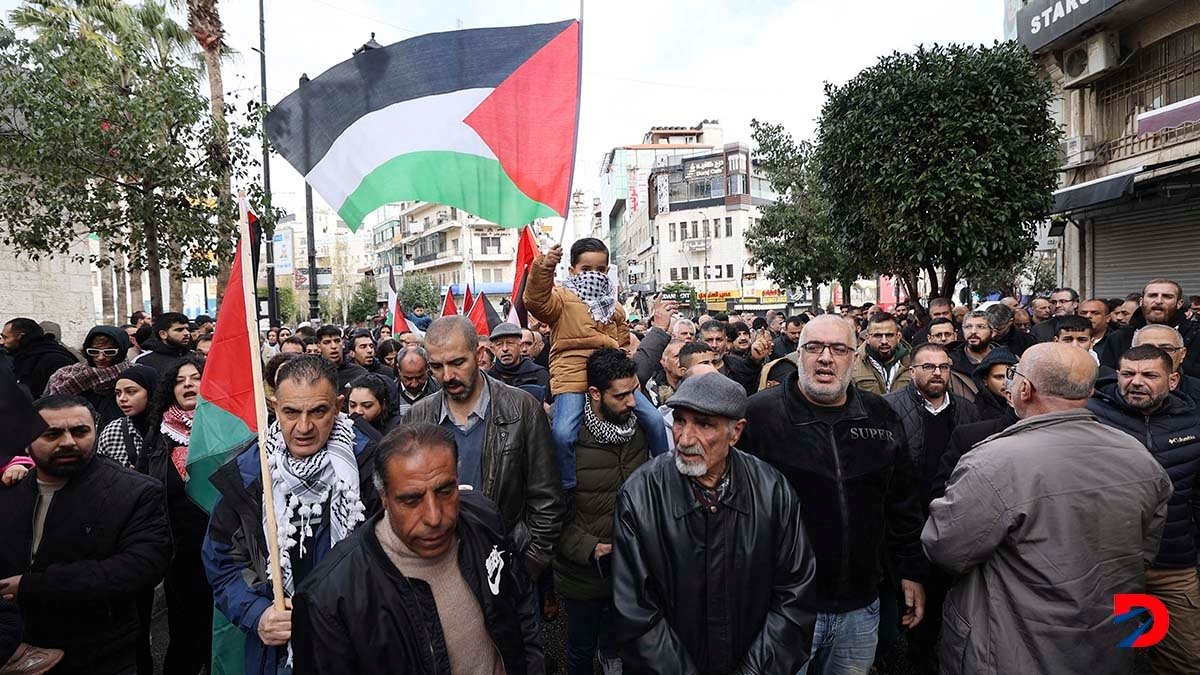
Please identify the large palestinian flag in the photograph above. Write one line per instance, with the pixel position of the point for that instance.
(482, 119)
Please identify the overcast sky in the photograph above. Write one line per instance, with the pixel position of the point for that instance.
(645, 63)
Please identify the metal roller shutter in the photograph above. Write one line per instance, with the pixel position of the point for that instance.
(1161, 238)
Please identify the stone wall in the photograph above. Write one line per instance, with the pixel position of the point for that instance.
(56, 289)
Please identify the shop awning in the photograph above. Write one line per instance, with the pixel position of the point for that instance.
(1169, 117)
(1094, 192)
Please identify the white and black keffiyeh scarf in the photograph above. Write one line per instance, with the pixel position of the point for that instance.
(302, 486)
(606, 432)
(597, 292)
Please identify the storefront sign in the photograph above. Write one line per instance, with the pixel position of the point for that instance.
(704, 168)
(1041, 22)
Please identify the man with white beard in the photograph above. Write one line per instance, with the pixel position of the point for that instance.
(689, 524)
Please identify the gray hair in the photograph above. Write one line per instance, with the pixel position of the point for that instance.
(1175, 336)
(449, 327)
(980, 314)
(999, 314)
(829, 318)
(680, 323)
(412, 351)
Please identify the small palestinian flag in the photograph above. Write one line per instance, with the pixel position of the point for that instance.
(448, 306)
(527, 251)
(467, 300)
(482, 119)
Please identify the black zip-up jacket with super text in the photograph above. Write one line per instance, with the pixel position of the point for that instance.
(856, 486)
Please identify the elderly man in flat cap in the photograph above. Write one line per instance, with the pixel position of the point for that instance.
(712, 571)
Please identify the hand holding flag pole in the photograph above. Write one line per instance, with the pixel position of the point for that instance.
(260, 410)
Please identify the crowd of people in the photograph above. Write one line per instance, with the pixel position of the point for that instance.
(695, 494)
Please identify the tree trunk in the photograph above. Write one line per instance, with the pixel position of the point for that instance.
(106, 285)
(121, 297)
(153, 264)
(137, 300)
(934, 287)
(177, 299)
(949, 280)
(216, 93)
(816, 297)
(846, 292)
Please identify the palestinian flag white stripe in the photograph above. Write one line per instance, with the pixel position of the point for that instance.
(432, 123)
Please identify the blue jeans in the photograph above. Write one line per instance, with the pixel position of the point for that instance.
(589, 628)
(844, 644)
(568, 415)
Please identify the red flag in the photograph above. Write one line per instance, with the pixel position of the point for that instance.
(399, 323)
(448, 307)
(468, 301)
(478, 316)
(527, 251)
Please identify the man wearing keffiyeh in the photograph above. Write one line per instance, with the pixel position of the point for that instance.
(314, 454)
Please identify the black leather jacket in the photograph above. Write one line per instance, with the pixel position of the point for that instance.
(357, 613)
(707, 590)
(857, 480)
(520, 471)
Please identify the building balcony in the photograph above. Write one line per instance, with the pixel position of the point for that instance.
(431, 260)
(1134, 144)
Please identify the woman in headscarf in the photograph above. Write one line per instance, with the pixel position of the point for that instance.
(122, 439)
(189, 597)
(105, 349)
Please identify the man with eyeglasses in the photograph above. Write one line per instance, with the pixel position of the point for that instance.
(1044, 523)
(1063, 302)
(1142, 402)
(846, 451)
(881, 364)
(1170, 341)
(1162, 304)
(929, 413)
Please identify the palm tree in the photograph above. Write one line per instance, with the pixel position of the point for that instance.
(204, 22)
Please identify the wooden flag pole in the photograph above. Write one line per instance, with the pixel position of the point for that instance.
(260, 409)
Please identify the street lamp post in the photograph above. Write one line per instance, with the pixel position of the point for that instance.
(272, 296)
(314, 303)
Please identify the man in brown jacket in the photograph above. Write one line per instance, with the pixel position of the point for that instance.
(583, 316)
(1045, 522)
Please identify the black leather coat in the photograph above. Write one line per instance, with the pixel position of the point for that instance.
(707, 590)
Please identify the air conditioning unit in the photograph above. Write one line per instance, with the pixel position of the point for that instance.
(1087, 61)
(1077, 151)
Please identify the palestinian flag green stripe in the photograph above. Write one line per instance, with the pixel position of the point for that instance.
(216, 435)
(480, 186)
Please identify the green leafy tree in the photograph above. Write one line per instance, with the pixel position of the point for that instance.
(364, 303)
(792, 241)
(286, 297)
(110, 135)
(942, 159)
(417, 289)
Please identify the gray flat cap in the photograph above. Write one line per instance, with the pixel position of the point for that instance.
(711, 394)
(506, 329)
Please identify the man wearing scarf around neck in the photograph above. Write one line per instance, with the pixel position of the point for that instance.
(321, 482)
(882, 363)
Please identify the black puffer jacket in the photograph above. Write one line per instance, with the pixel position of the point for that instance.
(106, 541)
(910, 406)
(711, 590)
(856, 479)
(36, 360)
(1172, 435)
(1116, 344)
(962, 439)
(357, 613)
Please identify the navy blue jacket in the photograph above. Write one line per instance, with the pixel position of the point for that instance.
(235, 549)
(1172, 435)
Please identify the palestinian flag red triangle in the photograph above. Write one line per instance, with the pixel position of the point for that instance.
(483, 119)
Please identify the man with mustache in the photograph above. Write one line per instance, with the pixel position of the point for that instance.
(171, 339)
(83, 538)
(976, 343)
(846, 451)
(929, 413)
(505, 449)
(434, 584)
(1141, 402)
(712, 570)
(882, 363)
(1162, 304)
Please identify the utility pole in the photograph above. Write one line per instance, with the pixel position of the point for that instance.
(272, 296)
(314, 303)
